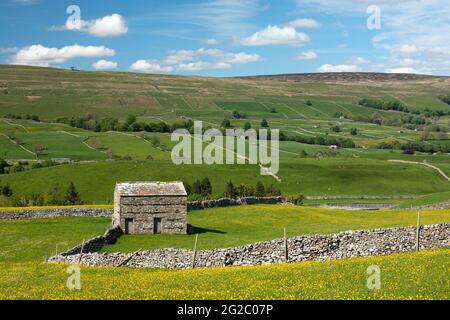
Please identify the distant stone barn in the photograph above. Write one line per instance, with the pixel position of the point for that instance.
(150, 207)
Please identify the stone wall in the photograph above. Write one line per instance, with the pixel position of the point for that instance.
(97, 243)
(302, 248)
(87, 212)
(53, 213)
(228, 202)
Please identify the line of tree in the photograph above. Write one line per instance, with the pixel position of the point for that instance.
(417, 146)
(55, 197)
(384, 105)
(199, 189)
(22, 117)
(246, 190)
(319, 140)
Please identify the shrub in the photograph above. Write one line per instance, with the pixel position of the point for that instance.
(230, 192)
(264, 123)
(297, 199)
(260, 190)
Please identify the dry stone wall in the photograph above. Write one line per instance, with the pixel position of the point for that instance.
(303, 248)
(54, 213)
(87, 212)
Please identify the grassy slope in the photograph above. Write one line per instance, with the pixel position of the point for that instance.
(309, 176)
(23, 244)
(434, 198)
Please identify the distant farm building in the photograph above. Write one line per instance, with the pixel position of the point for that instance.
(150, 208)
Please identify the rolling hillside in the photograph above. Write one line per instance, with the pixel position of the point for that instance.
(304, 107)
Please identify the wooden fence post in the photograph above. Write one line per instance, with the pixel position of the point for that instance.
(81, 252)
(286, 253)
(418, 232)
(195, 251)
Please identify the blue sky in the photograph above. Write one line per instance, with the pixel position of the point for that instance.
(229, 37)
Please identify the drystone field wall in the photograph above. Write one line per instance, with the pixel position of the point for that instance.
(97, 243)
(87, 212)
(302, 248)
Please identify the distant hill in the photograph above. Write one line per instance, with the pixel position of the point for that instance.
(347, 76)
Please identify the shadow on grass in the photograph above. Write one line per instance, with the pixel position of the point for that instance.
(198, 230)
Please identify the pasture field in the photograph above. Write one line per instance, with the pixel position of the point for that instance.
(328, 176)
(235, 226)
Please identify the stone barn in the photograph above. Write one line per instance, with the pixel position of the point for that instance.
(150, 207)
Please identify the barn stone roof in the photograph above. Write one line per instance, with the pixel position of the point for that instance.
(154, 188)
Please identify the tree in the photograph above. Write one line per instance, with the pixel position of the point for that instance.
(309, 103)
(229, 190)
(336, 129)
(260, 190)
(39, 149)
(130, 119)
(72, 196)
(245, 190)
(236, 114)
(155, 141)
(353, 131)
(197, 187)
(264, 123)
(226, 123)
(273, 110)
(3, 165)
(205, 187)
(188, 187)
(247, 126)
(6, 191)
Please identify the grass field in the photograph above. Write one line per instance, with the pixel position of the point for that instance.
(234, 226)
(24, 244)
(329, 176)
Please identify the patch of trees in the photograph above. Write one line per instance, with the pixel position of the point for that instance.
(199, 190)
(416, 146)
(445, 98)
(55, 197)
(6, 191)
(247, 190)
(384, 105)
(319, 140)
(237, 115)
(92, 123)
(21, 117)
(8, 168)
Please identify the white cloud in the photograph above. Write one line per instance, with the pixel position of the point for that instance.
(402, 70)
(108, 26)
(338, 68)
(104, 65)
(307, 55)
(406, 49)
(38, 55)
(194, 60)
(274, 35)
(25, 2)
(211, 42)
(9, 50)
(149, 67)
(359, 61)
(417, 29)
(304, 23)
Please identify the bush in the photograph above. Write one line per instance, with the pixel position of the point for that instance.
(264, 123)
(297, 199)
(230, 192)
(245, 190)
(260, 190)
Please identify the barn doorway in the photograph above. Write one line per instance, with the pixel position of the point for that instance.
(157, 226)
(129, 226)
